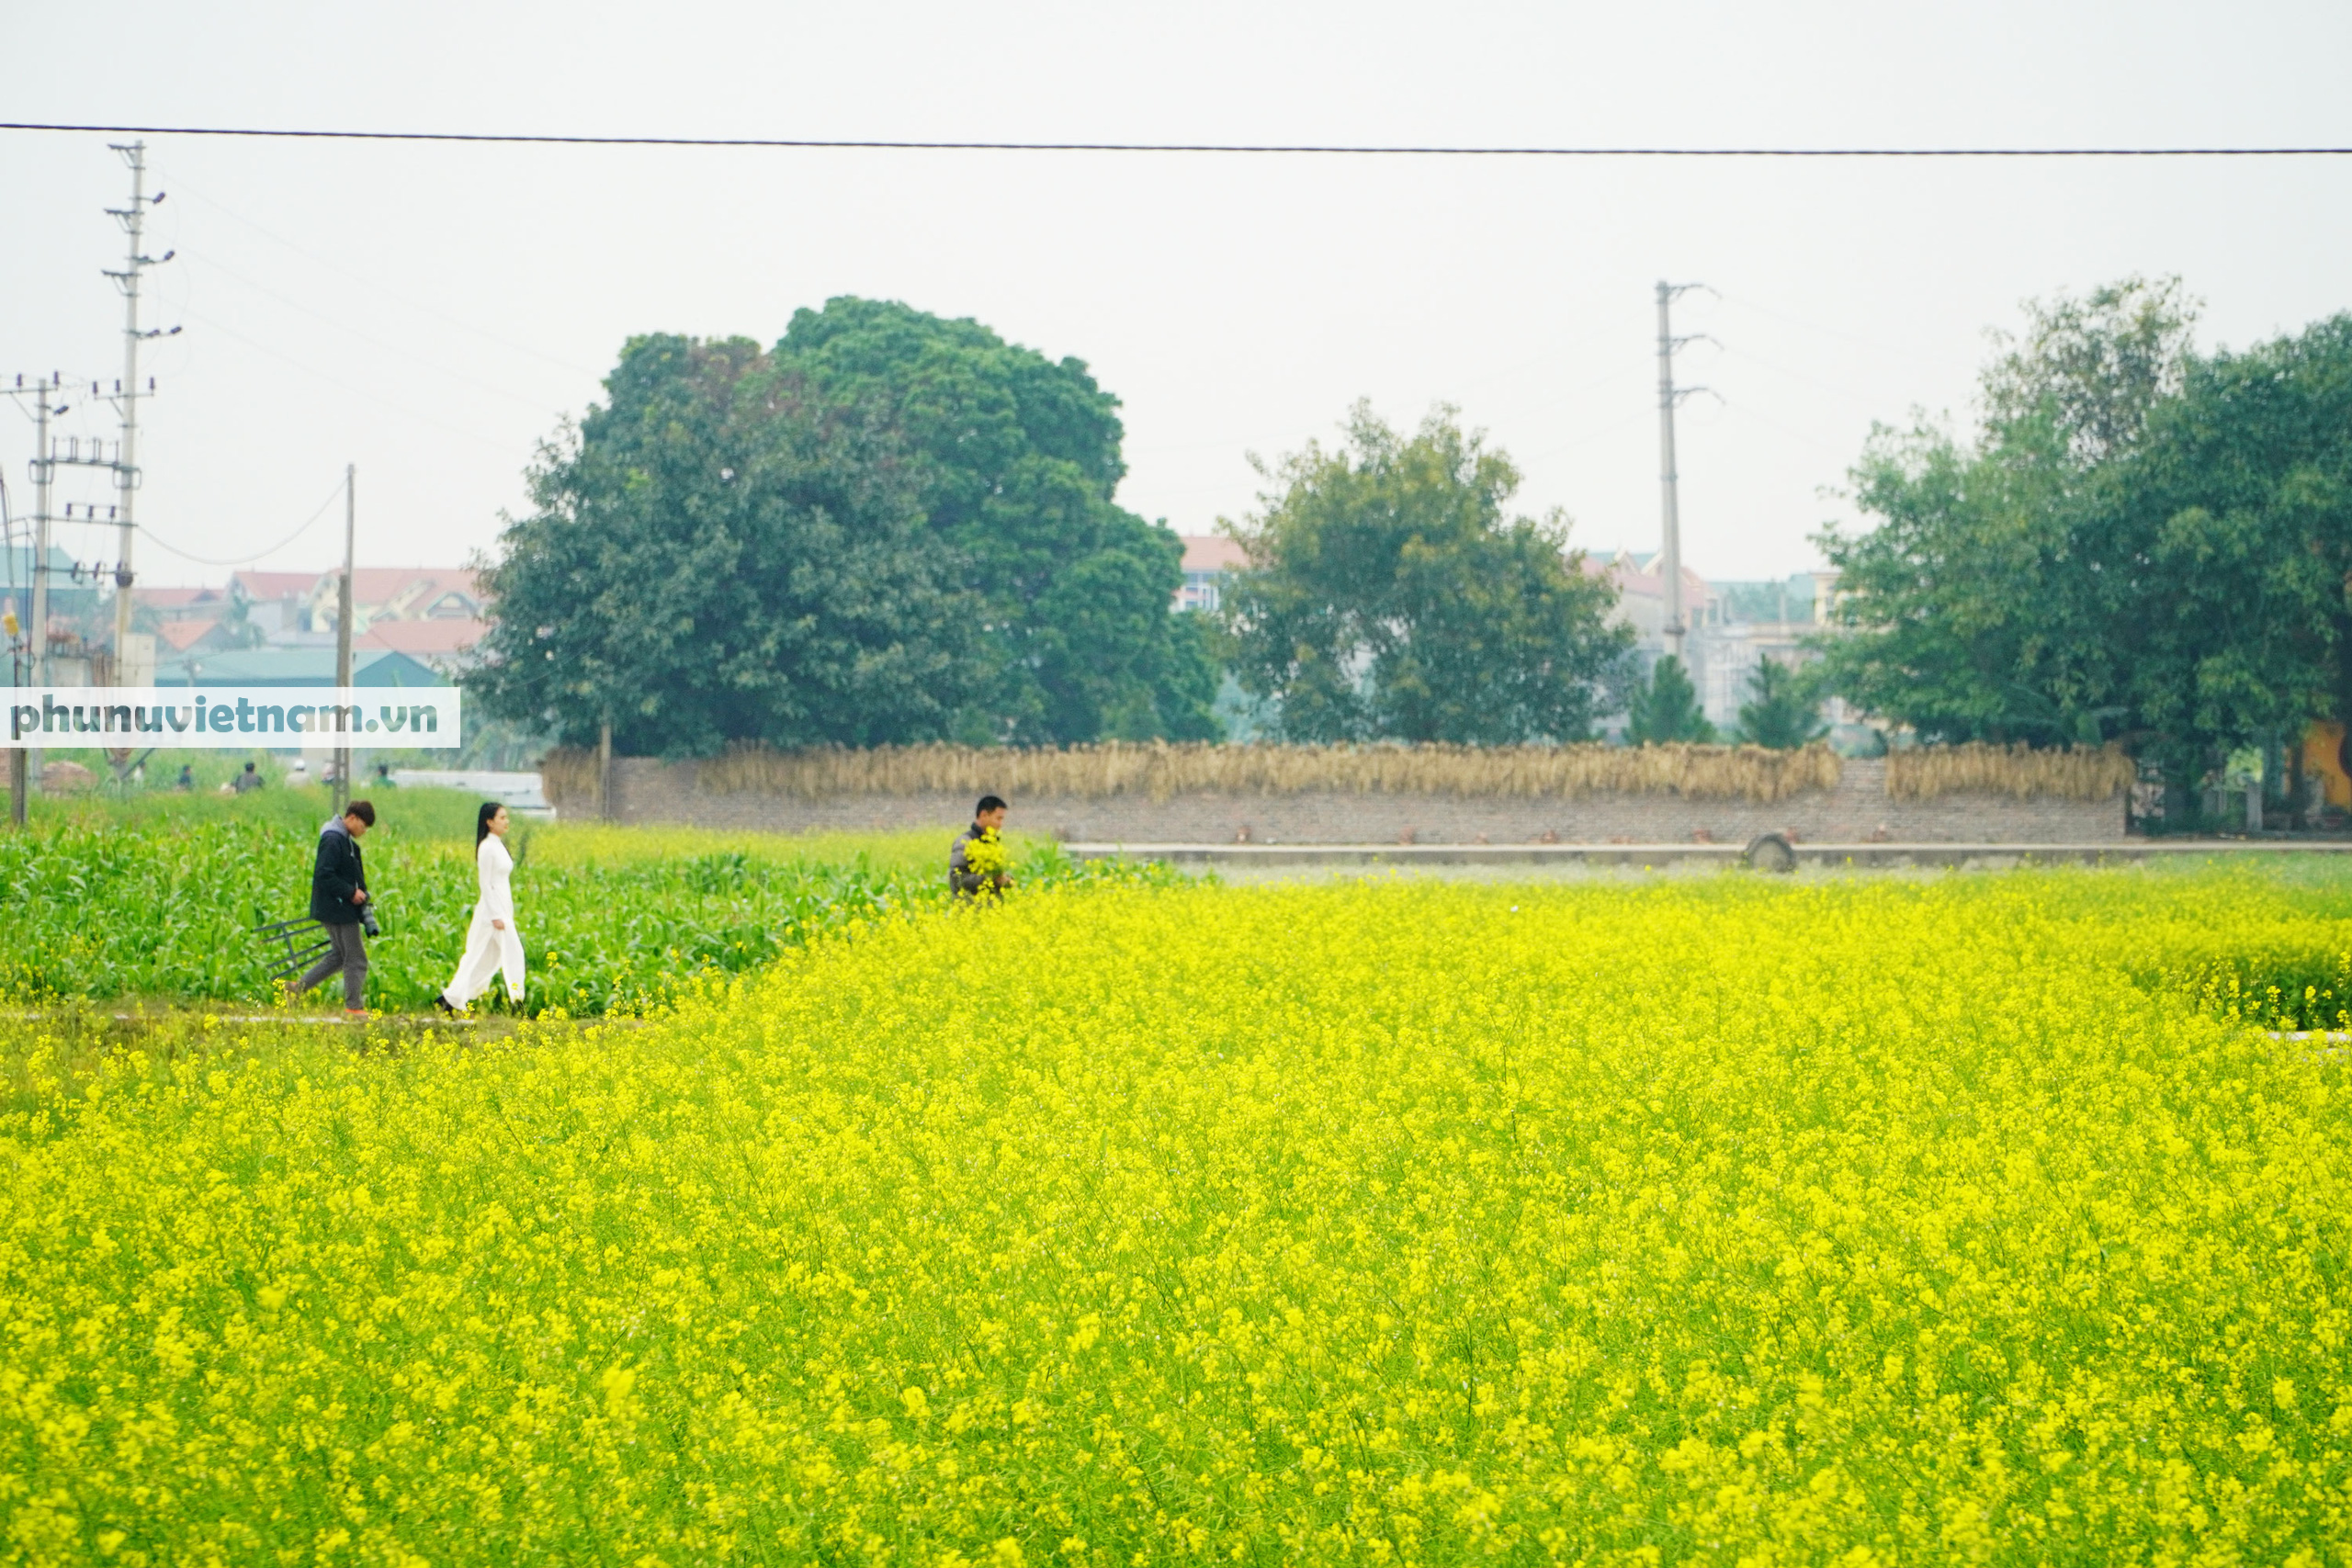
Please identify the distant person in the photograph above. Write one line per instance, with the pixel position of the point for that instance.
(185, 783)
(247, 782)
(977, 863)
(384, 779)
(493, 943)
(339, 902)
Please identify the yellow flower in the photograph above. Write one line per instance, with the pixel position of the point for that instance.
(986, 855)
(1866, 1222)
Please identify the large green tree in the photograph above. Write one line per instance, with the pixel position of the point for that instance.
(2231, 528)
(1971, 612)
(2142, 544)
(889, 527)
(1389, 597)
(1017, 458)
(717, 555)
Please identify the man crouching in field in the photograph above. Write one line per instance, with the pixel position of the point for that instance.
(977, 863)
(339, 902)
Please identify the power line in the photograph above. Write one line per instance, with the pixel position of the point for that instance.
(393, 348)
(227, 331)
(182, 186)
(1845, 394)
(1590, 436)
(1747, 411)
(1744, 302)
(1311, 149)
(1488, 378)
(259, 554)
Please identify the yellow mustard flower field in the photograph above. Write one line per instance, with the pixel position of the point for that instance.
(1970, 1220)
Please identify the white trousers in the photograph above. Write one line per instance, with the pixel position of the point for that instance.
(488, 951)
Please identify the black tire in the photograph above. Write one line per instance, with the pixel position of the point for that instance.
(1773, 853)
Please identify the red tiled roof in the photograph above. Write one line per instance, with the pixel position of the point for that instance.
(382, 584)
(422, 638)
(174, 598)
(1650, 583)
(184, 635)
(1211, 552)
(275, 584)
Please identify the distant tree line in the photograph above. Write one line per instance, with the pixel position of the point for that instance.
(2140, 543)
(889, 527)
(892, 527)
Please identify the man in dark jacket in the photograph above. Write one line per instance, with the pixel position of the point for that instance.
(970, 874)
(338, 893)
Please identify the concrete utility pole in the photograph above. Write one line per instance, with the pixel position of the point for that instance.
(604, 771)
(133, 219)
(343, 627)
(42, 468)
(25, 764)
(1671, 550)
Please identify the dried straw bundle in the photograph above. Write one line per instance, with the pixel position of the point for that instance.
(2081, 773)
(1161, 771)
(568, 776)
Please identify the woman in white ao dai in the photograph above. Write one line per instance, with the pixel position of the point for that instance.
(492, 942)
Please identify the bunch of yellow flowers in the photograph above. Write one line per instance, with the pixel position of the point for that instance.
(984, 854)
(1858, 1222)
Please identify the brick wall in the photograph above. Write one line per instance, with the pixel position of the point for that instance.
(1856, 811)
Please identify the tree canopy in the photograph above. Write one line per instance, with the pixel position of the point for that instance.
(2229, 533)
(2140, 543)
(1973, 611)
(1016, 459)
(1388, 597)
(889, 527)
(715, 554)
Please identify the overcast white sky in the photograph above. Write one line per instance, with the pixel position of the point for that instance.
(430, 312)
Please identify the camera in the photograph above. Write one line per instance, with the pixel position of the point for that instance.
(368, 921)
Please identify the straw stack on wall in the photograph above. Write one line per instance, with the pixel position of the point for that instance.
(2081, 773)
(1161, 772)
(568, 775)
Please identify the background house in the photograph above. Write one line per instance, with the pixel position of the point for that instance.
(382, 593)
(178, 639)
(1640, 580)
(1209, 558)
(1760, 620)
(162, 606)
(430, 613)
(273, 601)
(429, 640)
(269, 666)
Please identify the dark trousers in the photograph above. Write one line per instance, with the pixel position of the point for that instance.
(348, 954)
